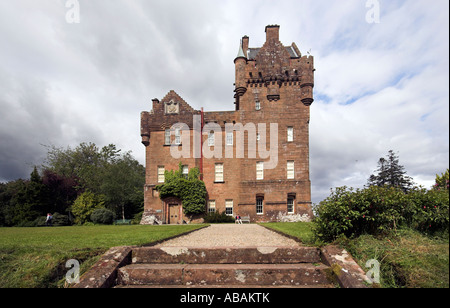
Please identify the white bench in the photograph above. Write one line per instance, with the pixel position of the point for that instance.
(245, 219)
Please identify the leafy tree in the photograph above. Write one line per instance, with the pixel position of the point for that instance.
(442, 181)
(391, 173)
(119, 177)
(85, 205)
(122, 185)
(62, 191)
(191, 191)
(86, 163)
(30, 201)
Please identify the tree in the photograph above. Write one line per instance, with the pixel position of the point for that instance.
(30, 201)
(442, 181)
(119, 177)
(391, 173)
(122, 185)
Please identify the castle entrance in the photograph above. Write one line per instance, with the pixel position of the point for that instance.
(175, 214)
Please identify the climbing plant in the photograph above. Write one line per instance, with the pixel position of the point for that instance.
(191, 190)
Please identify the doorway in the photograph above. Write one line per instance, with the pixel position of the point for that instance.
(175, 214)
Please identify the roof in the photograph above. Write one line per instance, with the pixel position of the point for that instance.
(252, 52)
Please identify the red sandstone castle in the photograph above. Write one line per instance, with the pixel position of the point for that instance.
(254, 160)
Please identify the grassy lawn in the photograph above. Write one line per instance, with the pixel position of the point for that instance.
(301, 230)
(407, 259)
(36, 257)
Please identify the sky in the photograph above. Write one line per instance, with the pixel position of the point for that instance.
(381, 80)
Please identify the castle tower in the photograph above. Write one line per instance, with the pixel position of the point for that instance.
(274, 84)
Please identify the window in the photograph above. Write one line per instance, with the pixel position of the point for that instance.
(212, 206)
(218, 173)
(229, 207)
(290, 170)
(230, 138)
(258, 136)
(260, 170)
(211, 139)
(259, 206)
(257, 105)
(290, 205)
(161, 174)
(290, 134)
(177, 136)
(185, 171)
(167, 137)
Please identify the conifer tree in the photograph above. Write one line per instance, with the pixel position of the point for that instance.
(391, 173)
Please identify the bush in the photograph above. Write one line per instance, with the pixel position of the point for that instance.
(428, 211)
(351, 213)
(216, 217)
(85, 204)
(376, 210)
(102, 216)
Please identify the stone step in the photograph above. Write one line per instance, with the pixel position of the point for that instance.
(224, 286)
(300, 274)
(226, 255)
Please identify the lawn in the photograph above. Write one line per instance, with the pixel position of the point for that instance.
(36, 257)
(408, 258)
(300, 230)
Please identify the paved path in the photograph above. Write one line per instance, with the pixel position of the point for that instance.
(231, 235)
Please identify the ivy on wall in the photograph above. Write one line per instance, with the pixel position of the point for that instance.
(191, 190)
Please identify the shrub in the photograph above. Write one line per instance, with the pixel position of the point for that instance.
(428, 211)
(102, 216)
(85, 204)
(216, 217)
(375, 210)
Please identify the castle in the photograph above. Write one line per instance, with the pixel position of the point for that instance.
(273, 94)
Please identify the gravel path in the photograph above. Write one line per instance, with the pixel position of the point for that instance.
(228, 235)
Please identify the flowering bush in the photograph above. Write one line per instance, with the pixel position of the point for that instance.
(376, 209)
(428, 210)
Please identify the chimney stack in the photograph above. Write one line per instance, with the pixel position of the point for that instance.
(245, 41)
(272, 33)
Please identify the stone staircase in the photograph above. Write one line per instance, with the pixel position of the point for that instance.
(234, 267)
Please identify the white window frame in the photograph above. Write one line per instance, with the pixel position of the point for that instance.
(218, 172)
(290, 167)
(185, 171)
(161, 177)
(211, 139)
(167, 137)
(290, 206)
(177, 136)
(259, 206)
(290, 134)
(211, 206)
(257, 105)
(229, 208)
(229, 138)
(260, 170)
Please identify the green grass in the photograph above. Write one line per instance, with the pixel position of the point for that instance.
(36, 257)
(300, 230)
(408, 258)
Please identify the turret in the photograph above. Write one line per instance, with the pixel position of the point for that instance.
(307, 79)
(240, 63)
